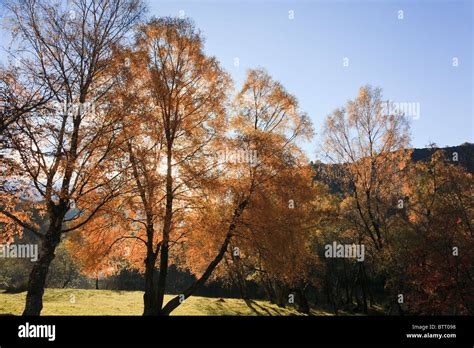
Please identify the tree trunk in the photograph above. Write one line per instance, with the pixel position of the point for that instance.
(364, 288)
(329, 294)
(302, 301)
(176, 301)
(66, 282)
(235, 277)
(164, 252)
(346, 285)
(269, 289)
(37, 279)
(281, 295)
(240, 277)
(150, 296)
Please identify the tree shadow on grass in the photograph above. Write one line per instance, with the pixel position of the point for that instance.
(252, 304)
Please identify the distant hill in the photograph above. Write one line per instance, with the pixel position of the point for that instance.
(328, 173)
(465, 154)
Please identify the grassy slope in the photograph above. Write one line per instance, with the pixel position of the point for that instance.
(107, 302)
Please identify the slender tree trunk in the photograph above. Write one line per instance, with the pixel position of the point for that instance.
(371, 298)
(281, 293)
(329, 294)
(236, 277)
(364, 288)
(351, 295)
(270, 290)
(66, 283)
(337, 292)
(164, 252)
(301, 300)
(346, 284)
(176, 301)
(240, 278)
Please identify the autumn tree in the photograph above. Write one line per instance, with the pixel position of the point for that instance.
(170, 98)
(64, 153)
(433, 253)
(273, 245)
(369, 142)
(259, 159)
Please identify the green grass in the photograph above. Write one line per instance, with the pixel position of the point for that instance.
(108, 302)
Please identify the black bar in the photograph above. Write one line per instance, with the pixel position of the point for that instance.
(136, 331)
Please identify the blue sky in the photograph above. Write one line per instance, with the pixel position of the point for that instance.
(410, 58)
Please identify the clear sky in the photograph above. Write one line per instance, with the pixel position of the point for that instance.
(410, 58)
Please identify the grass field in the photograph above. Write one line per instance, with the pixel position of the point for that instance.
(108, 302)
